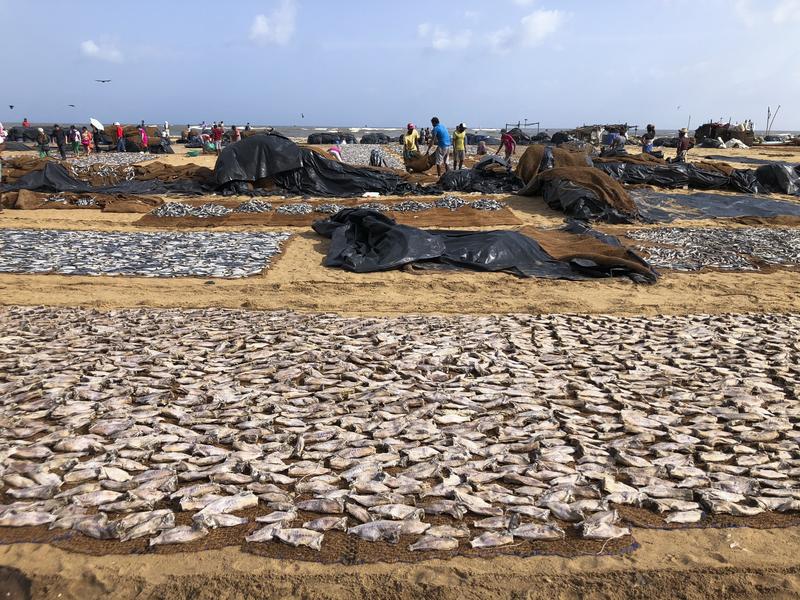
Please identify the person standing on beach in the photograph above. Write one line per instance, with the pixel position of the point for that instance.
(236, 135)
(410, 139)
(647, 139)
(43, 142)
(144, 139)
(60, 139)
(441, 137)
(684, 145)
(25, 123)
(247, 127)
(509, 143)
(216, 137)
(75, 139)
(120, 137)
(459, 146)
(86, 140)
(165, 132)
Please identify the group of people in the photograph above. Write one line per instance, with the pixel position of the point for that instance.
(212, 138)
(446, 143)
(83, 140)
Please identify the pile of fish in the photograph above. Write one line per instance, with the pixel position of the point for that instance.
(301, 208)
(506, 428)
(253, 206)
(741, 249)
(147, 254)
(487, 204)
(179, 209)
(114, 166)
(450, 202)
(328, 209)
(411, 206)
(359, 154)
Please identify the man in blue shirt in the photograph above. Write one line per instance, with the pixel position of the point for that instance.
(440, 137)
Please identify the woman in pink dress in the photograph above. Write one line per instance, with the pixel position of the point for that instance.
(143, 134)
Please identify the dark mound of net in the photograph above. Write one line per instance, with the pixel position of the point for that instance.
(365, 241)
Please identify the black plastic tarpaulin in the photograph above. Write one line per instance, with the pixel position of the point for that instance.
(55, 178)
(319, 176)
(365, 241)
(660, 207)
(779, 178)
(256, 157)
(490, 175)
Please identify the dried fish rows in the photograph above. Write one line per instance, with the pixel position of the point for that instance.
(515, 428)
(742, 249)
(147, 254)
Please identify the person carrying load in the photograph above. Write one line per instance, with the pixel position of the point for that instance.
(410, 140)
(441, 137)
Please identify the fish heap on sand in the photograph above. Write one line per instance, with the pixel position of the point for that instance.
(358, 154)
(741, 249)
(514, 427)
(108, 164)
(147, 254)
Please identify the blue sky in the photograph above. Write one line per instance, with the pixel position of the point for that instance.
(381, 63)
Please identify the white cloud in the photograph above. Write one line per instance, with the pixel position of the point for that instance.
(277, 27)
(442, 39)
(523, 2)
(787, 11)
(539, 25)
(783, 12)
(471, 15)
(500, 41)
(106, 52)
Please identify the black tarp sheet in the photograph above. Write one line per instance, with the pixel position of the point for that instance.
(256, 157)
(742, 159)
(366, 241)
(659, 207)
(319, 176)
(331, 138)
(55, 178)
(773, 177)
(579, 202)
(490, 175)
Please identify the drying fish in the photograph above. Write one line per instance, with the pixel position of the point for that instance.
(539, 531)
(265, 534)
(492, 539)
(179, 535)
(300, 537)
(327, 524)
(432, 543)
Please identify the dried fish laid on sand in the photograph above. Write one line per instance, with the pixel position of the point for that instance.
(487, 204)
(432, 433)
(301, 208)
(739, 249)
(146, 254)
(253, 206)
(449, 202)
(179, 209)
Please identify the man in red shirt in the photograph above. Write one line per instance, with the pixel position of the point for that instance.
(216, 136)
(509, 143)
(120, 138)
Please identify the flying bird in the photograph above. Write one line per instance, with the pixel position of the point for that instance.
(302, 116)
(103, 80)
(11, 106)
(71, 105)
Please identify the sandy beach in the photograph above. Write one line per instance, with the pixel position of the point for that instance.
(725, 558)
